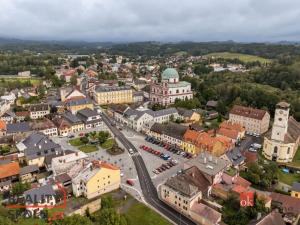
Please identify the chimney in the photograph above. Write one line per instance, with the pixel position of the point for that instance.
(204, 160)
(40, 147)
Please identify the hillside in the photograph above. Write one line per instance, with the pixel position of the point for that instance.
(243, 57)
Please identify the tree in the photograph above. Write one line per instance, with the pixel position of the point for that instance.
(84, 140)
(19, 188)
(110, 217)
(102, 136)
(74, 220)
(107, 202)
(73, 80)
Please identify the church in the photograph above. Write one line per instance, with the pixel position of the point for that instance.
(282, 142)
(169, 88)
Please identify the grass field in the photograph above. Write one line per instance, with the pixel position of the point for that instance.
(288, 178)
(76, 142)
(138, 214)
(242, 57)
(88, 148)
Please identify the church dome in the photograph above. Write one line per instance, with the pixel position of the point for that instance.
(169, 73)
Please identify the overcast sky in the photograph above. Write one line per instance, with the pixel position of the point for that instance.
(155, 20)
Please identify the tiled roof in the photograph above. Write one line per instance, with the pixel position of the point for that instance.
(248, 112)
(296, 187)
(233, 134)
(273, 218)
(29, 169)
(189, 182)
(18, 127)
(235, 156)
(38, 107)
(232, 126)
(37, 194)
(42, 124)
(9, 169)
(206, 212)
(289, 204)
(87, 113)
(111, 88)
(171, 129)
(2, 125)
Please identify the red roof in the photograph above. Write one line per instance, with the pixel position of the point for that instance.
(9, 169)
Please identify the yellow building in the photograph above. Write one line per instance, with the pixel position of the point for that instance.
(75, 123)
(96, 179)
(295, 191)
(113, 95)
(74, 105)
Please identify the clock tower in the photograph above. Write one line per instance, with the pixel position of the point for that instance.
(281, 118)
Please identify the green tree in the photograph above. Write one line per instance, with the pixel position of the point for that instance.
(84, 140)
(19, 188)
(73, 80)
(103, 136)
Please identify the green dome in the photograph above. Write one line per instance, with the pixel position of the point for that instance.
(169, 73)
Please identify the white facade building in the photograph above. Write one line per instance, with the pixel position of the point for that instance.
(169, 89)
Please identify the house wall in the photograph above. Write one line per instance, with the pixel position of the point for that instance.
(74, 109)
(104, 181)
(114, 97)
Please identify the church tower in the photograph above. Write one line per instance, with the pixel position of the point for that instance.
(281, 118)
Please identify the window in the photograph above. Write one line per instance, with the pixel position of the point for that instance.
(275, 149)
(288, 151)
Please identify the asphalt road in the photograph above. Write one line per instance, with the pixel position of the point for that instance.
(148, 189)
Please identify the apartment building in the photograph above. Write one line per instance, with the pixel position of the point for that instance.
(254, 120)
(38, 111)
(113, 95)
(184, 193)
(95, 179)
(45, 126)
(141, 118)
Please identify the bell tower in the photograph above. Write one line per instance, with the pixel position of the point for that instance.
(281, 119)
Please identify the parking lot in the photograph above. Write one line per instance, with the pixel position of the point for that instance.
(153, 161)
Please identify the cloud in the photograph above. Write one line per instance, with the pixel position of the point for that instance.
(141, 20)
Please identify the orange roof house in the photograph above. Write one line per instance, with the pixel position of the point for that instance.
(9, 170)
(231, 130)
(2, 125)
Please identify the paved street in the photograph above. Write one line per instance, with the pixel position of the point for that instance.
(149, 191)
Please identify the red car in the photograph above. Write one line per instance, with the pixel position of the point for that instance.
(142, 146)
(81, 134)
(130, 182)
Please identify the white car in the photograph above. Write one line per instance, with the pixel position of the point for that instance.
(130, 151)
(252, 150)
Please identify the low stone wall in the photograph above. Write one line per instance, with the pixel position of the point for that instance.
(92, 206)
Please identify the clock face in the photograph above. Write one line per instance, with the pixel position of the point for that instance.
(280, 111)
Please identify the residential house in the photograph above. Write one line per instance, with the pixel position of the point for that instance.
(21, 129)
(189, 116)
(142, 119)
(4, 106)
(45, 126)
(38, 111)
(235, 157)
(62, 164)
(9, 172)
(22, 115)
(36, 147)
(212, 105)
(234, 131)
(287, 205)
(74, 105)
(91, 119)
(273, 218)
(138, 96)
(295, 191)
(28, 173)
(195, 142)
(184, 193)
(253, 120)
(113, 95)
(75, 122)
(37, 199)
(11, 98)
(95, 179)
(63, 126)
(2, 128)
(8, 116)
(69, 93)
(171, 133)
(212, 167)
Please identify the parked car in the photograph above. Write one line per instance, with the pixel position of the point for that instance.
(252, 149)
(130, 182)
